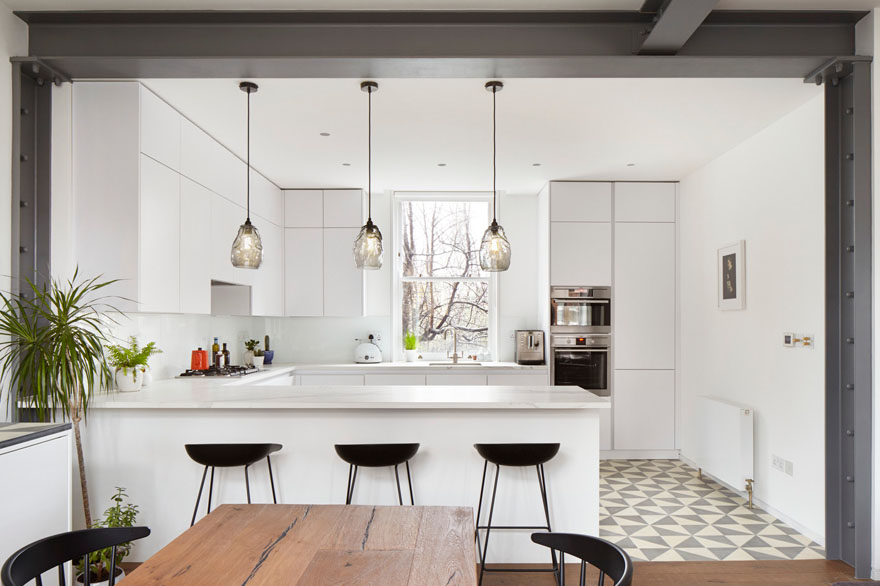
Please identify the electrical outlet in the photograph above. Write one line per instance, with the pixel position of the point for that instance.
(789, 467)
(777, 463)
(788, 339)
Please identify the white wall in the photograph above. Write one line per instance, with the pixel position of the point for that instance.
(768, 191)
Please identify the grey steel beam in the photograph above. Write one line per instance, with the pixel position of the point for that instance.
(675, 22)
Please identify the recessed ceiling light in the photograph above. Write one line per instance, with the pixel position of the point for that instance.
(536, 164)
(630, 164)
(441, 164)
(346, 164)
(325, 134)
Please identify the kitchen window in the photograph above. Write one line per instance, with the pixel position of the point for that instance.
(439, 283)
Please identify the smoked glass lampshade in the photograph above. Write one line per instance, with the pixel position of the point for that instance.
(247, 248)
(368, 247)
(495, 249)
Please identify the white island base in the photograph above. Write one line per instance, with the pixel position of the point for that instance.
(137, 441)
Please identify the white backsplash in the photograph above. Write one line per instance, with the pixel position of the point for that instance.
(294, 339)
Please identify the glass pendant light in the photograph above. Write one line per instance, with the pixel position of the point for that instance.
(495, 248)
(368, 244)
(247, 248)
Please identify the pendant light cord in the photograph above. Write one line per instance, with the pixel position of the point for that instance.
(494, 157)
(369, 154)
(248, 155)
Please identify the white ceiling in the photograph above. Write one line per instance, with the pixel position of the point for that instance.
(575, 128)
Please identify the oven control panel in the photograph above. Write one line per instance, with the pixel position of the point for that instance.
(574, 341)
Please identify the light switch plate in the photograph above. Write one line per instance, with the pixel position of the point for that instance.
(788, 339)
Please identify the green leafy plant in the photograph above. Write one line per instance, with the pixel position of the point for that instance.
(118, 515)
(259, 352)
(52, 359)
(131, 356)
(252, 345)
(410, 342)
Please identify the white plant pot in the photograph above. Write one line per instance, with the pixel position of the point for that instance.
(258, 362)
(120, 574)
(248, 357)
(129, 380)
(411, 355)
(147, 375)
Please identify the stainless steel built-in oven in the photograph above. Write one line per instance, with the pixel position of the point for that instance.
(581, 360)
(580, 310)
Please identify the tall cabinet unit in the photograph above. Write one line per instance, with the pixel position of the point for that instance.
(320, 277)
(155, 196)
(580, 233)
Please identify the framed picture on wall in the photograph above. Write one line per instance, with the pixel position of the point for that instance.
(732, 276)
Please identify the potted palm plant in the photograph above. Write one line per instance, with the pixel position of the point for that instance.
(52, 359)
(100, 561)
(250, 352)
(410, 344)
(130, 363)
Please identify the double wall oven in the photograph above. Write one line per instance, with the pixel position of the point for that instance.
(580, 337)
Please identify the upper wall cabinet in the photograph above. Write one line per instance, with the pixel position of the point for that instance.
(580, 253)
(580, 201)
(303, 208)
(644, 202)
(206, 161)
(160, 130)
(159, 273)
(343, 208)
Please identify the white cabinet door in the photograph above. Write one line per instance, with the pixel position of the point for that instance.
(644, 410)
(160, 129)
(605, 436)
(580, 253)
(455, 379)
(644, 202)
(343, 281)
(580, 201)
(226, 217)
(268, 294)
(520, 379)
(195, 247)
(394, 379)
(159, 238)
(206, 161)
(644, 296)
(303, 271)
(303, 208)
(331, 379)
(343, 208)
(266, 199)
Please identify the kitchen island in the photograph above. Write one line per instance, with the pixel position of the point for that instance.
(136, 440)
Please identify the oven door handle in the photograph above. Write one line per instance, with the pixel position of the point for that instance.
(558, 349)
(581, 300)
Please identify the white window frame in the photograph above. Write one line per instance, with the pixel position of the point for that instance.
(397, 285)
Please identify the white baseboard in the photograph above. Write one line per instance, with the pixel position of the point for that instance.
(820, 539)
(639, 455)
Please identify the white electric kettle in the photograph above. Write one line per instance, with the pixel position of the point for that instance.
(367, 351)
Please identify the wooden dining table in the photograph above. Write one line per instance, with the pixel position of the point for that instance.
(248, 545)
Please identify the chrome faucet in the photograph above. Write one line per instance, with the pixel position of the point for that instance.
(454, 356)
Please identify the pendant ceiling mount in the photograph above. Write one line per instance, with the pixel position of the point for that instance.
(368, 244)
(247, 248)
(494, 248)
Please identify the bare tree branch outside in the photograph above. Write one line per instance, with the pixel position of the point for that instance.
(442, 284)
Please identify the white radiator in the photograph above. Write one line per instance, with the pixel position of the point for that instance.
(727, 441)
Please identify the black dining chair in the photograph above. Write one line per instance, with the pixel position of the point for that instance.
(608, 558)
(31, 561)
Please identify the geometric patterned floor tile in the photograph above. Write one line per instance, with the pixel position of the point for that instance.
(659, 510)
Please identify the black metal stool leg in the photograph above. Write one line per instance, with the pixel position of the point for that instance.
(350, 495)
(199, 498)
(480, 502)
(399, 494)
(412, 501)
(271, 480)
(348, 485)
(210, 490)
(542, 484)
(489, 524)
(247, 484)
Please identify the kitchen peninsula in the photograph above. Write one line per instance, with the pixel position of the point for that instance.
(126, 430)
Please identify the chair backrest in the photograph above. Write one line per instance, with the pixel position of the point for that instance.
(606, 556)
(32, 560)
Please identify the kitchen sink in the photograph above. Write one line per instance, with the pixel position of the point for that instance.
(450, 363)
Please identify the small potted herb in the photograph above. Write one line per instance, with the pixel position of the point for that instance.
(410, 343)
(251, 353)
(118, 515)
(130, 361)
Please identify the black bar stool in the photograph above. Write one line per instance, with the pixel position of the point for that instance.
(230, 456)
(377, 456)
(513, 455)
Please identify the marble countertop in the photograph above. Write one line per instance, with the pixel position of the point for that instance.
(419, 366)
(17, 433)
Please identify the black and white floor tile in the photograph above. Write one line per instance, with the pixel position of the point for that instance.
(659, 510)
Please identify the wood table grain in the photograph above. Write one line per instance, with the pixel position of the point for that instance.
(319, 545)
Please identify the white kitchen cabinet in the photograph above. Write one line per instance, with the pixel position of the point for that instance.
(580, 253)
(206, 161)
(160, 129)
(268, 281)
(266, 199)
(331, 379)
(159, 218)
(461, 379)
(394, 379)
(195, 248)
(644, 202)
(304, 271)
(343, 281)
(519, 379)
(226, 218)
(303, 208)
(580, 201)
(644, 296)
(644, 409)
(606, 441)
(343, 208)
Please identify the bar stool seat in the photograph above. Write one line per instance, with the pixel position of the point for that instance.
(377, 456)
(230, 456)
(517, 454)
